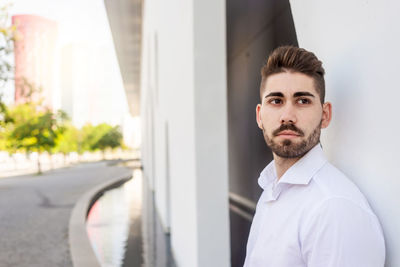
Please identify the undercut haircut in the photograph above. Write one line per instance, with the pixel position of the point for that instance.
(294, 59)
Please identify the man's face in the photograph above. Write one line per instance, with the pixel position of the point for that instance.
(291, 114)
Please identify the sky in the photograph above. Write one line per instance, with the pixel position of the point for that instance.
(84, 20)
(83, 23)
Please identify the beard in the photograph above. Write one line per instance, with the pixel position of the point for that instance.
(289, 149)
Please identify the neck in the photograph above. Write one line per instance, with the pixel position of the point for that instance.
(283, 164)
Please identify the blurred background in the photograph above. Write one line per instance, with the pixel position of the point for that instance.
(62, 91)
(175, 84)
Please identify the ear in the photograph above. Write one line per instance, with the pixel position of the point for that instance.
(258, 116)
(326, 114)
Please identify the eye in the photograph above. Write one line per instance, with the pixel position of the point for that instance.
(275, 101)
(303, 101)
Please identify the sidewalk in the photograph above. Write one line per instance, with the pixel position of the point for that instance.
(21, 164)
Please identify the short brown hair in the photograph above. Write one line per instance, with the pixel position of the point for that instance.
(294, 59)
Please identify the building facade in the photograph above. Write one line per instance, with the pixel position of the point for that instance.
(36, 65)
(202, 151)
(184, 126)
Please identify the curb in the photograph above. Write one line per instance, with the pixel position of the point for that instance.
(82, 253)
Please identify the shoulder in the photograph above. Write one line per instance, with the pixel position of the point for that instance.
(331, 186)
(339, 209)
(334, 198)
(342, 227)
(341, 233)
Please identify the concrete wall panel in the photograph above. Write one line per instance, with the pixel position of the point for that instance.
(358, 42)
(184, 88)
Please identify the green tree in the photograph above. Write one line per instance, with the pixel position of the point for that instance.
(87, 137)
(67, 142)
(5, 117)
(90, 135)
(99, 137)
(112, 138)
(3, 138)
(35, 129)
(7, 37)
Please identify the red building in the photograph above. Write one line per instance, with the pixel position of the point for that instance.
(35, 58)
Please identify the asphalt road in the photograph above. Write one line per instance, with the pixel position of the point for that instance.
(35, 211)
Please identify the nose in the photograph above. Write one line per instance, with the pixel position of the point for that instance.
(288, 115)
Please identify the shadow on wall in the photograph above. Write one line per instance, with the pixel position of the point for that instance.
(254, 29)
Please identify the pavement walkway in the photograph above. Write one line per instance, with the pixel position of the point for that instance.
(35, 212)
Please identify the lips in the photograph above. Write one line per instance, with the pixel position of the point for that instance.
(288, 133)
(288, 130)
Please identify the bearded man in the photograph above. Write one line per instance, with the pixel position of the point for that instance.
(309, 214)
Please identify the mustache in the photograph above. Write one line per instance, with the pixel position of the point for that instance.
(290, 127)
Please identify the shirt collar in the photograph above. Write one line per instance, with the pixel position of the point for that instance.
(300, 173)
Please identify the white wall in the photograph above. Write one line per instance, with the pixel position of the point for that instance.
(358, 42)
(184, 128)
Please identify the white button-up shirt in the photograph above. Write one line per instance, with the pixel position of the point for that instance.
(313, 216)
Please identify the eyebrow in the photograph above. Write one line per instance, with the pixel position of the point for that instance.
(297, 94)
(274, 94)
